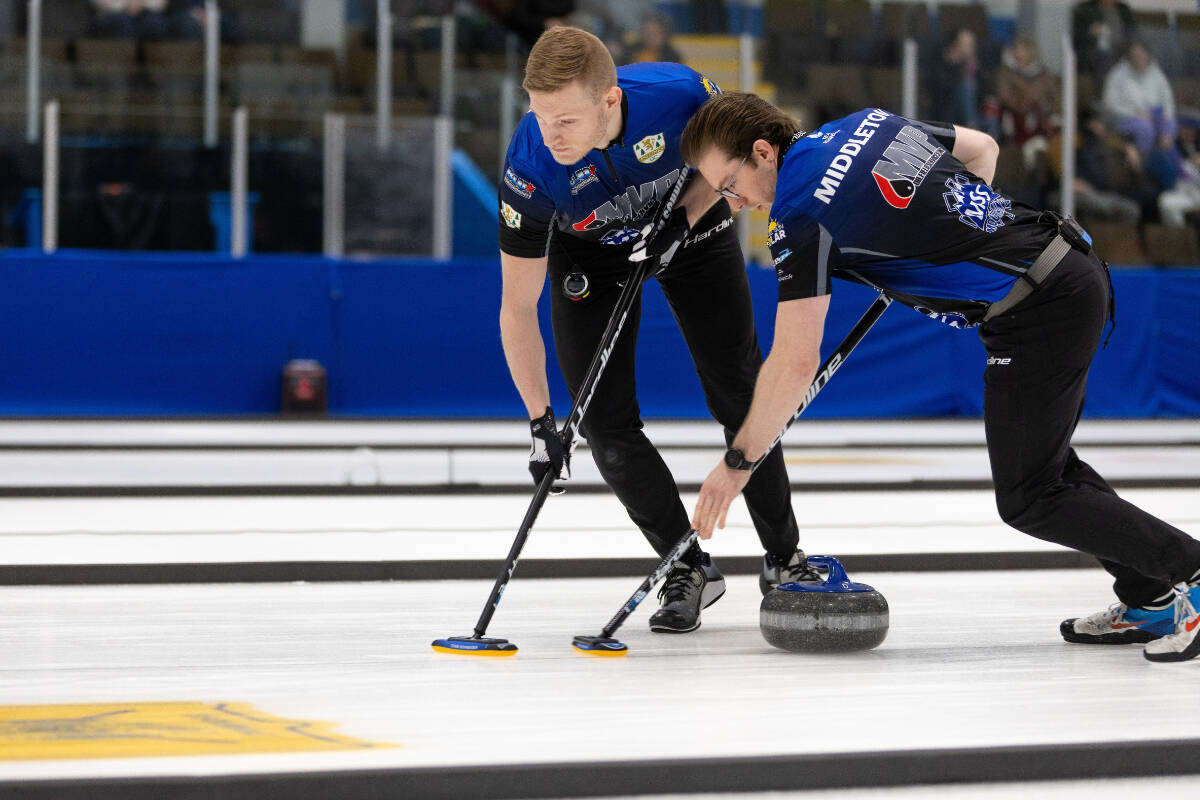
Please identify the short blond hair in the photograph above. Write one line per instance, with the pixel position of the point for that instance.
(563, 55)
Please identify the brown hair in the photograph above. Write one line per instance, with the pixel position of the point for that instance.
(732, 122)
(562, 55)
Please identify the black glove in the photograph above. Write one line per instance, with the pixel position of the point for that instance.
(663, 246)
(547, 452)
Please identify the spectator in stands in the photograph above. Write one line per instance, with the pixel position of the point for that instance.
(1183, 197)
(1139, 101)
(654, 43)
(956, 80)
(1028, 96)
(127, 19)
(1110, 183)
(1101, 31)
(189, 18)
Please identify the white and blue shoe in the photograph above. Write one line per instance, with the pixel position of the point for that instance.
(1120, 624)
(1184, 642)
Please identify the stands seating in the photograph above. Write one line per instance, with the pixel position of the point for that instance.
(1118, 243)
(953, 17)
(1168, 246)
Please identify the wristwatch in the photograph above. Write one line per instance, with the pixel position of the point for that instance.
(736, 459)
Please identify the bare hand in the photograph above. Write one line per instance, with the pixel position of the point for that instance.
(720, 487)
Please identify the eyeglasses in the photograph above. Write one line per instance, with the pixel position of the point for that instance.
(727, 190)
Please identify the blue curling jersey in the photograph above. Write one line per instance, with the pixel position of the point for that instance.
(878, 199)
(606, 198)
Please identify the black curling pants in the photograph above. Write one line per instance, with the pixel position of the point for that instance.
(709, 295)
(1039, 354)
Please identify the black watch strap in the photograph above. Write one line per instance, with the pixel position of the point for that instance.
(736, 459)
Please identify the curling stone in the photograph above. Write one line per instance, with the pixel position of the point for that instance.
(835, 615)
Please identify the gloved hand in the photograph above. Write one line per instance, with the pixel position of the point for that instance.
(547, 452)
(664, 245)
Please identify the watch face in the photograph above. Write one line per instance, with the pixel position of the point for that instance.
(734, 459)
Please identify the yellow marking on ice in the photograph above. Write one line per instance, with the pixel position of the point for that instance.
(140, 730)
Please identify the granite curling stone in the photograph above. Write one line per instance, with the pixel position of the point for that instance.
(836, 615)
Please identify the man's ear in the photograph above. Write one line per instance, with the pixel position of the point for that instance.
(763, 149)
(612, 97)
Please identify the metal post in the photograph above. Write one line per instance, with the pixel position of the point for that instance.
(50, 180)
(443, 145)
(383, 74)
(1068, 126)
(449, 38)
(212, 48)
(238, 207)
(746, 78)
(334, 201)
(443, 188)
(508, 95)
(908, 101)
(33, 70)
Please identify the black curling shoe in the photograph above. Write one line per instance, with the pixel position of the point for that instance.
(687, 590)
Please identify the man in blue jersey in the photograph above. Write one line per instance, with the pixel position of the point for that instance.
(585, 171)
(907, 207)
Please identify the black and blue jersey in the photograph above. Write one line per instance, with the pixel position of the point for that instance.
(879, 199)
(607, 197)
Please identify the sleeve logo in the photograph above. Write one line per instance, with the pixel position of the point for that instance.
(651, 148)
(977, 205)
(518, 184)
(512, 217)
(710, 86)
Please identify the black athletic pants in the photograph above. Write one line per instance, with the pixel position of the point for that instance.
(1039, 354)
(709, 295)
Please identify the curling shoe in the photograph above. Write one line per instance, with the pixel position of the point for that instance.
(687, 590)
(1184, 642)
(1120, 624)
(786, 569)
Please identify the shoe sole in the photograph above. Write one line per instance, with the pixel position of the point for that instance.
(1132, 636)
(1186, 654)
(664, 629)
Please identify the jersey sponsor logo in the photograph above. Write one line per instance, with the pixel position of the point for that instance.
(710, 86)
(779, 259)
(952, 318)
(518, 184)
(582, 177)
(998, 361)
(512, 217)
(715, 229)
(977, 205)
(632, 205)
(619, 236)
(651, 148)
(841, 163)
(775, 233)
(905, 164)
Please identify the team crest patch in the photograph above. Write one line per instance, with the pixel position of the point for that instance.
(650, 149)
(775, 233)
(976, 204)
(512, 217)
(518, 184)
(620, 236)
(710, 86)
(582, 177)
